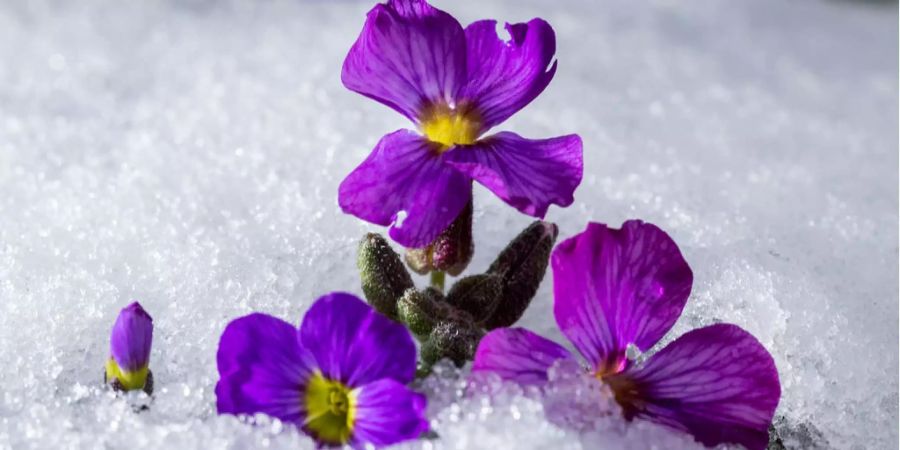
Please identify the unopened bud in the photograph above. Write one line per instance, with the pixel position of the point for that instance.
(128, 366)
(419, 312)
(450, 252)
(419, 260)
(454, 340)
(521, 265)
(384, 279)
(477, 295)
(453, 249)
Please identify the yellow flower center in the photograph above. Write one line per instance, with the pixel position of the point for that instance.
(129, 380)
(608, 368)
(330, 410)
(449, 127)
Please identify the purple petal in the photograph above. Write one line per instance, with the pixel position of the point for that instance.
(132, 337)
(717, 383)
(408, 56)
(518, 355)
(614, 287)
(528, 174)
(405, 182)
(388, 412)
(504, 76)
(262, 368)
(354, 344)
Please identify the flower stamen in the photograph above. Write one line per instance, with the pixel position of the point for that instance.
(330, 408)
(450, 126)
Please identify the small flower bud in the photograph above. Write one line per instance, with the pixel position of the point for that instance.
(454, 340)
(450, 252)
(477, 295)
(128, 367)
(453, 249)
(384, 279)
(418, 311)
(419, 260)
(522, 265)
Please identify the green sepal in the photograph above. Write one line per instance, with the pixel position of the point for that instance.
(384, 278)
(116, 384)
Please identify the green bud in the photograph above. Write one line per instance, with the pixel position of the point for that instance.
(434, 295)
(457, 315)
(384, 279)
(477, 295)
(450, 252)
(419, 312)
(454, 340)
(522, 265)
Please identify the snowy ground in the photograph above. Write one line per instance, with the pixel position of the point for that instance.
(188, 156)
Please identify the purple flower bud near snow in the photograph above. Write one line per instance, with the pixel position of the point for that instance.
(450, 252)
(128, 367)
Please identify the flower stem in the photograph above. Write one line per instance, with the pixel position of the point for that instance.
(437, 280)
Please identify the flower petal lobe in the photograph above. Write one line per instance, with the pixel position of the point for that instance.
(388, 412)
(408, 56)
(406, 184)
(518, 355)
(717, 383)
(262, 368)
(354, 344)
(505, 76)
(615, 287)
(528, 174)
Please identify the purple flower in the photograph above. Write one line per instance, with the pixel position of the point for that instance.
(341, 377)
(617, 288)
(454, 84)
(128, 365)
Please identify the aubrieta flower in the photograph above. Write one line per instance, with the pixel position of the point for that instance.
(128, 366)
(341, 377)
(454, 84)
(618, 288)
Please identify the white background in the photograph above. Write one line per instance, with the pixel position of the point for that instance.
(188, 154)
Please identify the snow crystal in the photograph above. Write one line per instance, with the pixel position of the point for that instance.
(187, 154)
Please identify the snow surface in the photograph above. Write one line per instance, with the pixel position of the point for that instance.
(187, 155)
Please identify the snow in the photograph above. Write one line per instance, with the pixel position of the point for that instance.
(187, 155)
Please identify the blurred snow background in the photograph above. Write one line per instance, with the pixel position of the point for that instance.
(187, 155)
